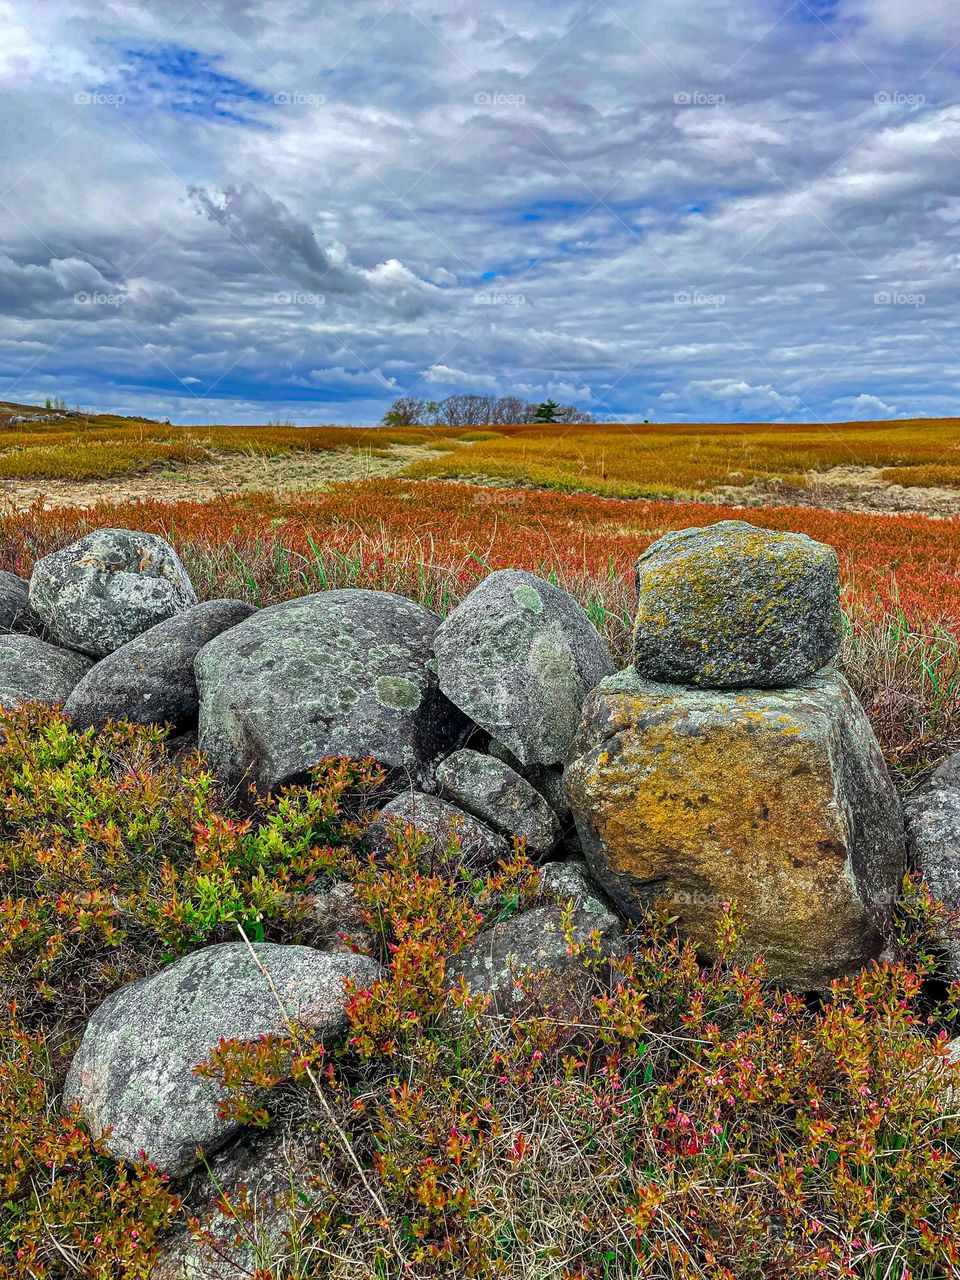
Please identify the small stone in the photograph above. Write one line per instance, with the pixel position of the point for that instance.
(150, 680)
(133, 1073)
(492, 791)
(734, 606)
(524, 964)
(112, 585)
(547, 778)
(442, 823)
(33, 671)
(778, 801)
(518, 656)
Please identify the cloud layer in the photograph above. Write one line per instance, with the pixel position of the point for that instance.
(711, 209)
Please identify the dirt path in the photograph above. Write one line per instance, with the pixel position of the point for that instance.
(226, 474)
(845, 489)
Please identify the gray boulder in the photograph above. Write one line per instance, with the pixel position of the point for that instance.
(569, 879)
(933, 842)
(150, 680)
(733, 606)
(546, 778)
(133, 1072)
(525, 967)
(33, 671)
(262, 1170)
(519, 656)
(15, 611)
(441, 822)
(341, 673)
(112, 585)
(492, 791)
(776, 800)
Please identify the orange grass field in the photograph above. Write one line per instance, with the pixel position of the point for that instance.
(678, 461)
(396, 533)
(619, 460)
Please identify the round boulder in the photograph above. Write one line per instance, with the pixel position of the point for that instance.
(134, 1071)
(734, 606)
(33, 671)
(519, 656)
(112, 585)
(151, 680)
(342, 673)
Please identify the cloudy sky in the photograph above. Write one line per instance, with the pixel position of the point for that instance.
(244, 210)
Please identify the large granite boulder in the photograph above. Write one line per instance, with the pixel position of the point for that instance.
(518, 656)
(776, 800)
(492, 791)
(150, 680)
(33, 671)
(733, 606)
(101, 592)
(341, 673)
(443, 824)
(133, 1073)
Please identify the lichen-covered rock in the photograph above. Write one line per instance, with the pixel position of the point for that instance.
(933, 842)
(15, 611)
(112, 585)
(518, 656)
(492, 791)
(441, 822)
(150, 680)
(569, 879)
(733, 606)
(525, 965)
(33, 671)
(133, 1072)
(340, 673)
(776, 800)
(266, 1173)
(546, 778)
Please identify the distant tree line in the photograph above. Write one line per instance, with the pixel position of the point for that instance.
(477, 411)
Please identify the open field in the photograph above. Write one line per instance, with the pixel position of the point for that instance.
(899, 466)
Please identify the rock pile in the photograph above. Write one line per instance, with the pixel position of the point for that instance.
(730, 762)
(754, 776)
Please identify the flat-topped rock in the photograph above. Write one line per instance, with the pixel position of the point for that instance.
(734, 606)
(776, 800)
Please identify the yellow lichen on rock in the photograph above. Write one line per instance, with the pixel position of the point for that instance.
(690, 799)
